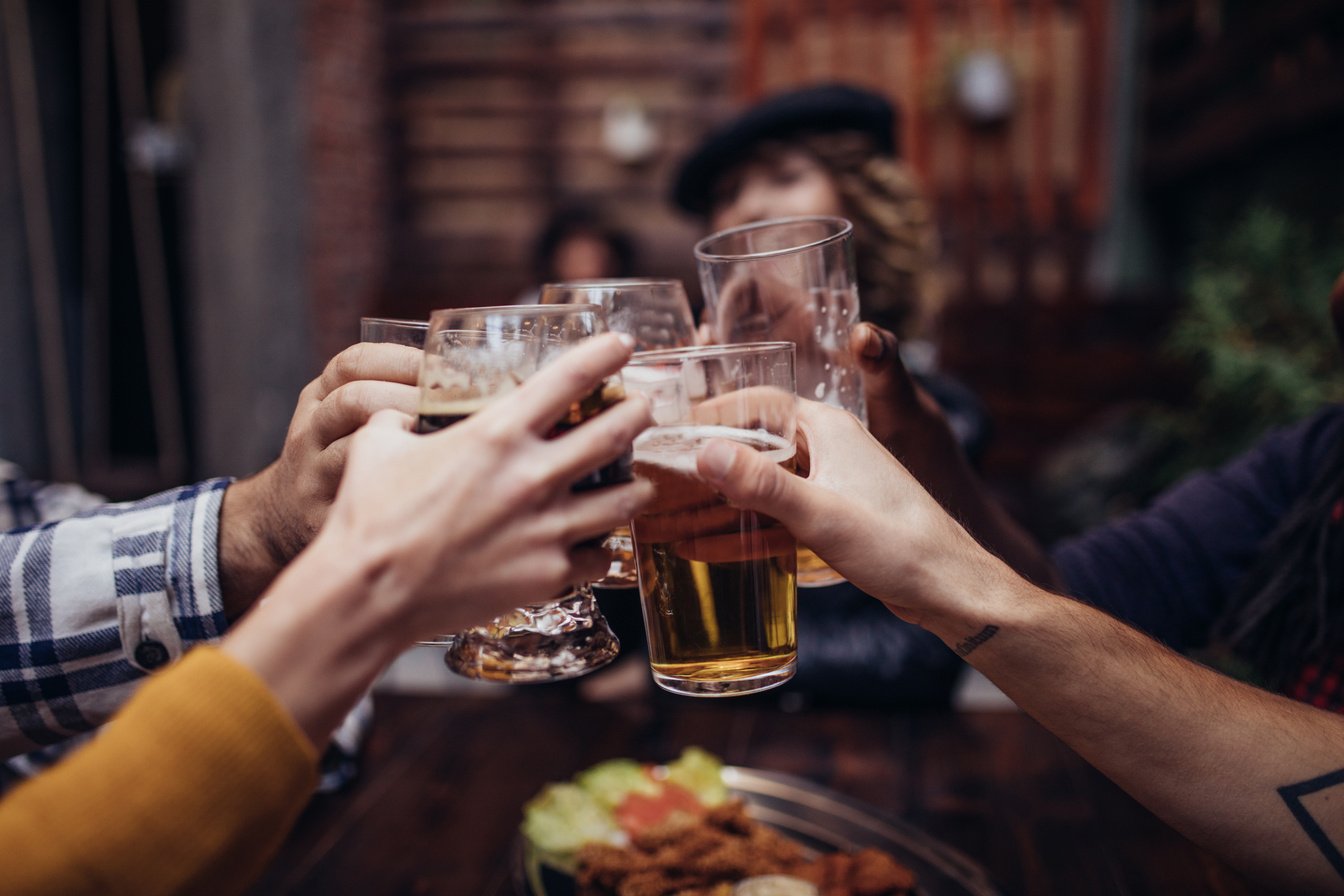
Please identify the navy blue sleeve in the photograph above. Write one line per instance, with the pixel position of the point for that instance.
(852, 650)
(1169, 570)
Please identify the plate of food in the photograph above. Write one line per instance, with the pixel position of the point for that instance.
(697, 827)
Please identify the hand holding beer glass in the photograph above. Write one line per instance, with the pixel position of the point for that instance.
(717, 584)
(790, 279)
(656, 314)
(477, 355)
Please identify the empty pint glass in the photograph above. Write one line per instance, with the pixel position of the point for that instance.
(474, 356)
(790, 279)
(717, 583)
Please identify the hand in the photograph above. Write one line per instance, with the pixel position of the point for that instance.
(438, 532)
(908, 422)
(479, 518)
(901, 415)
(268, 518)
(862, 513)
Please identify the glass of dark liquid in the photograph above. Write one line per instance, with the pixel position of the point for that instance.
(656, 314)
(474, 356)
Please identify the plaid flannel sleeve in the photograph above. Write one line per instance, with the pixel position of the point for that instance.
(92, 603)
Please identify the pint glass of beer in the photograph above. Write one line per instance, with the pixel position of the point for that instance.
(790, 279)
(717, 583)
(656, 314)
(474, 356)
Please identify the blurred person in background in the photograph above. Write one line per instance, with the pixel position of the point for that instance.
(200, 776)
(832, 150)
(94, 596)
(579, 242)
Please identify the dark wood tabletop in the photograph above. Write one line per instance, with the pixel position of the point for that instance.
(438, 802)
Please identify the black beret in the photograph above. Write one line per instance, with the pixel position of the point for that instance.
(821, 109)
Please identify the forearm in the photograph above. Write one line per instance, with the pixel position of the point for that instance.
(948, 477)
(250, 556)
(320, 638)
(1211, 756)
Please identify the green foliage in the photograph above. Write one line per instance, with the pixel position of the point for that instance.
(1255, 337)
(1253, 343)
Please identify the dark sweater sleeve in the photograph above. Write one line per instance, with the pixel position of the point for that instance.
(1169, 570)
(853, 651)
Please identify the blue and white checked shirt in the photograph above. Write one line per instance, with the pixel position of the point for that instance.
(92, 602)
(94, 596)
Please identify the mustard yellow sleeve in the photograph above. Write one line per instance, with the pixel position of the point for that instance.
(189, 789)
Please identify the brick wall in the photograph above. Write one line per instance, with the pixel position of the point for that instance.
(347, 165)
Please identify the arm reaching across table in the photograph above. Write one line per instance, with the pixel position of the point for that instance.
(1253, 777)
(426, 533)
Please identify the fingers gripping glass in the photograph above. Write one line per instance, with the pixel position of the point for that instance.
(717, 583)
(656, 314)
(474, 356)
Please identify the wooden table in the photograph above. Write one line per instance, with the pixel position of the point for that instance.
(438, 803)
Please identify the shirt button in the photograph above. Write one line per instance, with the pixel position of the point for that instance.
(151, 654)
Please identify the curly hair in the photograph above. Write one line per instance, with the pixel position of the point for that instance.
(895, 239)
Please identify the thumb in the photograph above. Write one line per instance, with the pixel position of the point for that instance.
(879, 354)
(748, 479)
(888, 389)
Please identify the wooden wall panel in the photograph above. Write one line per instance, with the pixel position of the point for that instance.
(496, 118)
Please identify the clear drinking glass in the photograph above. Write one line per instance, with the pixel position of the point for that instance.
(474, 356)
(398, 332)
(657, 314)
(790, 279)
(717, 583)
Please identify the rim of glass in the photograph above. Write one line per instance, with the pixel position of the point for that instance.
(493, 335)
(396, 321)
(664, 355)
(613, 283)
(534, 310)
(702, 253)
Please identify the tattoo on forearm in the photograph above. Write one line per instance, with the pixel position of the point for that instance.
(1295, 794)
(974, 641)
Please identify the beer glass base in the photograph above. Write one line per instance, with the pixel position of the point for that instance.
(813, 571)
(614, 581)
(554, 641)
(623, 571)
(823, 579)
(691, 687)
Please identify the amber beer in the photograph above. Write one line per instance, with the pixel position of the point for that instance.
(717, 582)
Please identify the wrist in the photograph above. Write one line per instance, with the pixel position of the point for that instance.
(249, 558)
(968, 594)
(321, 636)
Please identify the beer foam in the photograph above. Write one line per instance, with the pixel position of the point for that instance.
(675, 447)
